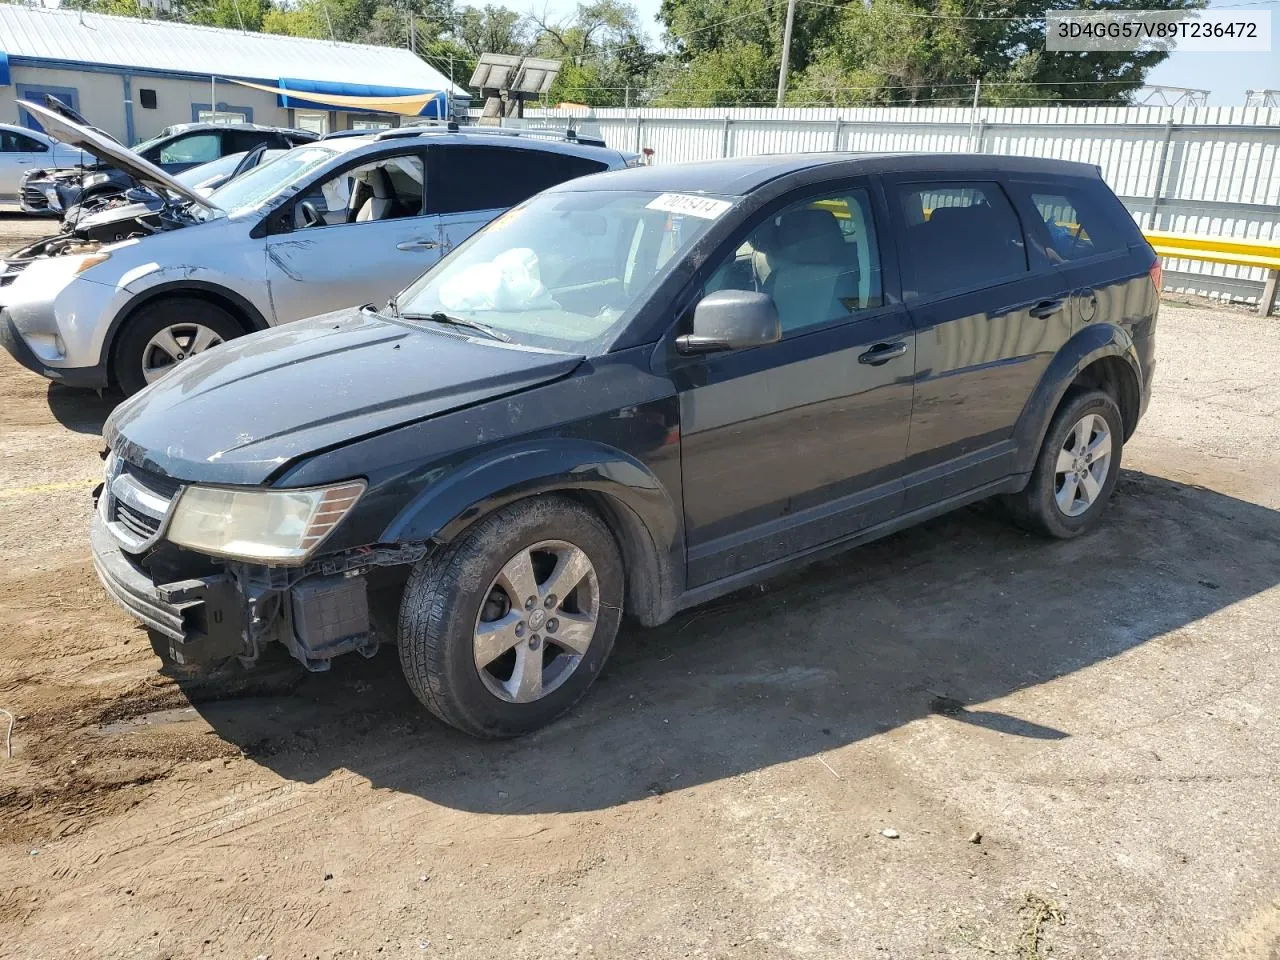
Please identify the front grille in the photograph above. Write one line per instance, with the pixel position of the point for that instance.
(158, 484)
(138, 502)
(34, 198)
(136, 522)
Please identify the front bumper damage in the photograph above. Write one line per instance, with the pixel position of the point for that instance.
(318, 612)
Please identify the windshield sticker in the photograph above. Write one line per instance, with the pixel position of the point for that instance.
(705, 208)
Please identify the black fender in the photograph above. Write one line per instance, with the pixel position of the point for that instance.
(634, 503)
(179, 288)
(1088, 345)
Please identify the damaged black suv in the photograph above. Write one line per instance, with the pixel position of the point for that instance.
(632, 393)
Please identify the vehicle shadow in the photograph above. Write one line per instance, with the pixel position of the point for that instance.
(958, 612)
(83, 411)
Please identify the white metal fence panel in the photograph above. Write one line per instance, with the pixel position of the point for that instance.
(1206, 170)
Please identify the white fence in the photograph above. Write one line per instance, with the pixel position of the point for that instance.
(1203, 170)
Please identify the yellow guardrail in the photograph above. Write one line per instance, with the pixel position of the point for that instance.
(1239, 251)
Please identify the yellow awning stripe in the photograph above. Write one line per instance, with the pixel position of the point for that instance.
(410, 106)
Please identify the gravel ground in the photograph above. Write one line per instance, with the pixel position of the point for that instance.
(1073, 746)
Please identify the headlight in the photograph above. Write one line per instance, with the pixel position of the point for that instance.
(87, 260)
(263, 526)
(51, 194)
(96, 178)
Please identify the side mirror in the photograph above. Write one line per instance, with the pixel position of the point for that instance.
(732, 320)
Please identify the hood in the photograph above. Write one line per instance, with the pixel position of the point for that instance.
(107, 150)
(240, 412)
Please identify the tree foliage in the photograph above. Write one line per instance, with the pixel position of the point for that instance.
(727, 52)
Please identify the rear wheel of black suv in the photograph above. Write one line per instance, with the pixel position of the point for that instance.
(506, 628)
(1076, 470)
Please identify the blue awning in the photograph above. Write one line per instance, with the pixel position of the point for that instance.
(437, 106)
(4, 69)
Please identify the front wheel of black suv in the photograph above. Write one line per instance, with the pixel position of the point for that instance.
(1076, 470)
(506, 628)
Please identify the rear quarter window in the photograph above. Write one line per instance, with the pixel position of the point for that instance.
(466, 177)
(1075, 221)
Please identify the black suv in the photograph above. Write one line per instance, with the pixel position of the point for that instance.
(635, 392)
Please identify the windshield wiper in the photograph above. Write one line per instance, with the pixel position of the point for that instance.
(439, 317)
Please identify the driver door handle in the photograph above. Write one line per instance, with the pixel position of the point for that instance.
(883, 353)
(418, 245)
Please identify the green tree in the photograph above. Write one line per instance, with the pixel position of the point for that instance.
(904, 51)
(738, 73)
(602, 51)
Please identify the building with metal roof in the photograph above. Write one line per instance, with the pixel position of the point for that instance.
(134, 77)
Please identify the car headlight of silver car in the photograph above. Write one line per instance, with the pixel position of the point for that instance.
(281, 527)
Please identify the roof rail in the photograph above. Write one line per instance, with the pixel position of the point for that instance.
(567, 136)
(419, 127)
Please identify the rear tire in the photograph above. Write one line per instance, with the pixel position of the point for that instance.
(505, 629)
(143, 353)
(1072, 482)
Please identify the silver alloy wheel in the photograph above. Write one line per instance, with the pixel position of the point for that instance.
(537, 621)
(1083, 464)
(174, 344)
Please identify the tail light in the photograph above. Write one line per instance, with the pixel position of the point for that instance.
(1157, 275)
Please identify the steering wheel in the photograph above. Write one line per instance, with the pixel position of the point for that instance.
(310, 214)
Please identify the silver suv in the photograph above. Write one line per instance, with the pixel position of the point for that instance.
(331, 224)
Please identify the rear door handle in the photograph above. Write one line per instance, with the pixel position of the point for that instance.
(1046, 308)
(418, 245)
(883, 353)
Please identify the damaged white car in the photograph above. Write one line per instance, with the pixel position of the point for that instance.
(332, 224)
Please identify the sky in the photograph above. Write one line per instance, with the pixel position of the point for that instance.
(1226, 75)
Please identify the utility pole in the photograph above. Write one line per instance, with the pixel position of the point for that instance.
(786, 52)
(413, 40)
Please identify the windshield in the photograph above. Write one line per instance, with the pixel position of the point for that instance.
(564, 269)
(251, 190)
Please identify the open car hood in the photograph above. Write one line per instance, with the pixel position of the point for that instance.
(117, 155)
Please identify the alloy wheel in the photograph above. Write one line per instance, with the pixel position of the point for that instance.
(1083, 463)
(537, 621)
(174, 344)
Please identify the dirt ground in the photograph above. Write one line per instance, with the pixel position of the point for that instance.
(1076, 743)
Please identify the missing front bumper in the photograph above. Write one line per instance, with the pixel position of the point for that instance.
(207, 619)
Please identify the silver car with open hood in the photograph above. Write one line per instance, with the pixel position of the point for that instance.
(331, 224)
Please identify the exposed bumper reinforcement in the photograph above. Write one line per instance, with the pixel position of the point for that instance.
(202, 620)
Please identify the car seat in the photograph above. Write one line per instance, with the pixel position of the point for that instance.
(377, 196)
(812, 272)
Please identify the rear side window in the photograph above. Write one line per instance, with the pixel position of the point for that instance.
(1074, 223)
(466, 177)
(958, 235)
(242, 141)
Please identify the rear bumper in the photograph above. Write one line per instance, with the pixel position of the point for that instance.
(202, 620)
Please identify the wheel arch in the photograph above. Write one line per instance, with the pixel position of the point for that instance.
(622, 491)
(245, 313)
(1100, 355)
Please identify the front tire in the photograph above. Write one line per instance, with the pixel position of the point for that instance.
(505, 629)
(1077, 469)
(163, 334)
